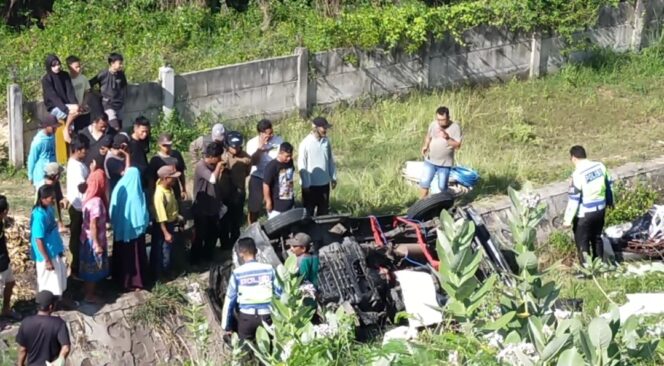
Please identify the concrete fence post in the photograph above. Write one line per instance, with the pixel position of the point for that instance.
(15, 115)
(167, 79)
(638, 23)
(302, 84)
(535, 55)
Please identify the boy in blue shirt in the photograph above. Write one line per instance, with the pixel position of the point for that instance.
(42, 150)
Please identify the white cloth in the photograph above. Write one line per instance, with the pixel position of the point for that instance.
(55, 280)
(273, 214)
(77, 173)
(252, 146)
(6, 276)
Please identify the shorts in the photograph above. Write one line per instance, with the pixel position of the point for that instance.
(6, 276)
(430, 170)
(255, 201)
(55, 280)
(61, 115)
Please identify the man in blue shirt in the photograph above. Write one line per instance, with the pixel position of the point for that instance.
(42, 150)
(46, 244)
(250, 290)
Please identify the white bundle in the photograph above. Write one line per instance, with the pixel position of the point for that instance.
(656, 229)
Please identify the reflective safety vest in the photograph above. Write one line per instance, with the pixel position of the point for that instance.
(589, 191)
(250, 288)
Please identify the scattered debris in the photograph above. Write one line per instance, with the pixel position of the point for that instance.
(642, 304)
(17, 231)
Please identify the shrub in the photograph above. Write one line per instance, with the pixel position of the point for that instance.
(631, 201)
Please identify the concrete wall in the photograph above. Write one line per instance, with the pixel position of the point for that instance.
(277, 86)
(265, 87)
(495, 211)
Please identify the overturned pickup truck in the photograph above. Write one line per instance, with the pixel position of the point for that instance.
(361, 258)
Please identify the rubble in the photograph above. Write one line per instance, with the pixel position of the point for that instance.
(17, 232)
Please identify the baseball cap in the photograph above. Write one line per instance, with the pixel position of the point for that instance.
(119, 139)
(45, 299)
(168, 171)
(235, 139)
(321, 122)
(218, 132)
(299, 240)
(165, 139)
(52, 169)
(49, 121)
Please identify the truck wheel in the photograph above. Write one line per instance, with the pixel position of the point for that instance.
(278, 225)
(430, 207)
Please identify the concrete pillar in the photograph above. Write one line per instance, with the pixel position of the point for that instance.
(638, 23)
(302, 84)
(15, 116)
(167, 78)
(535, 55)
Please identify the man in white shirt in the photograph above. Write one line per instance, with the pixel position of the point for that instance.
(317, 169)
(77, 173)
(262, 149)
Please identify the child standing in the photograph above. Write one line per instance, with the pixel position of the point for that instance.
(93, 264)
(113, 85)
(42, 151)
(166, 217)
(46, 244)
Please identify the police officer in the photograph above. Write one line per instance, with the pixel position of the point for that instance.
(250, 289)
(589, 195)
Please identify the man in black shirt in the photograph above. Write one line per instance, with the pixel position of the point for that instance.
(278, 182)
(207, 203)
(139, 147)
(168, 156)
(113, 87)
(99, 136)
(6, 274)
(43, 338)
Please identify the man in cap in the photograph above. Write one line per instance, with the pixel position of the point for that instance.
(317, 169)
(43, 338)
(52, 173)
(307, 264)
(197, 147)
(42, 150)
(167, 155)
(233, 186)
(166, 216)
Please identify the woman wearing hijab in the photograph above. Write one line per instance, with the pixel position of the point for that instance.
(93, 266)
(129, 218)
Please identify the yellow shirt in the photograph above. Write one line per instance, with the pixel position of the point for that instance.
(165, 204)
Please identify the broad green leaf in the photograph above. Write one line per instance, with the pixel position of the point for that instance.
(513, 337)
(523, 359)
(455, 307)
(501, 322)
(570, 357)
(263, 341)
(485, 288)
(466, 289)
(527, 260)
(554, 347)
(535, 333)
(291, 264)
(599, 333)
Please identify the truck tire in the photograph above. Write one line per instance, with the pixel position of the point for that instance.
(277, 226)
(430, 207)
(218, 283)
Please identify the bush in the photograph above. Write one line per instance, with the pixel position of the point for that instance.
(631, 201)
(191, 37)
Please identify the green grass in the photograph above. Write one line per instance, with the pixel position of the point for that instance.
(615, 284)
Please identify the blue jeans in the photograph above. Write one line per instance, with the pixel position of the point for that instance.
(160, 251)
(430, 171)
